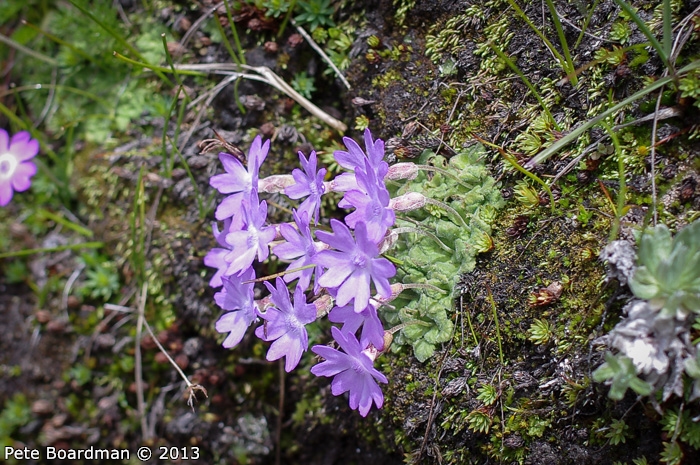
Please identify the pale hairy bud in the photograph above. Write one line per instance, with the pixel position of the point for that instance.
(407, 202)
(323, 305)
(388, 241)
(388, 339)
(396, 289)
(403, 170)
(275, 184)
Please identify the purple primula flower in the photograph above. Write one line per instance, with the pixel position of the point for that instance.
(15, 165)
(252, 240)
(352, 265)
(371, 202)
(301, 248)
(355, 158)
(238, 299)
(285, 324)
(216, 258)
(309, 182)
(238, 181)
(353, 371)
(372, 329)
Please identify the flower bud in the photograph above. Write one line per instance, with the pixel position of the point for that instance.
(275, 184)
(407, 202)
(388, 241)
(404, 170)
(323, 304)
(396, 289)
(388, 339)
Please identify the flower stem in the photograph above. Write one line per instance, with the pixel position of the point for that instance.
(444, 173)
(446, 207)
(442, 245)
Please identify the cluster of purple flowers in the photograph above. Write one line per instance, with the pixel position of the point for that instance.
(344, 264)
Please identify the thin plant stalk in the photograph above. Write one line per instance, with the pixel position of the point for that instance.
(279, 275)
(524, 171)
(660, 49)
(73, 90)
(498, 326)
(321, 53)
(117, 37)
(562, 61)
(574, 134)
(60, 248)
(64, 222)
(155, 68)
(200, 199)
(526, 81)
(619, 211)
(262, 74)
(169, 59)
(569, 63)
(138, 369)
(441, 244)
(234, 32)
(586, 22)
(61, 42)
(169, 160)
(469, 322)
(137, 227)
(27, 51)
(287, 18)
(237, 60)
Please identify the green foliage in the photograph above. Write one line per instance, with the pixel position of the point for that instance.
(92, 95)
(276, 8)
(315, 13)
(304, 84)
(617, 432)
(479, 422)
(672, 453)
(540, 332)
(622, 374)
(683, 428)
(668, 274)
(102, 277)
(526, 194)
(488, 394)
(16, 272)
(421, 258)
(338, 48)
(16, 413)
(81, 374)
(689, 85)
(361, 122)
(620, 32)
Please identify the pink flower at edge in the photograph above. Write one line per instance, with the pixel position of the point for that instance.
(15, 165)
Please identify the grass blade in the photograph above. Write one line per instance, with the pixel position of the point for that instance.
(573, 135)
(527, 82)
(647, 32)
(569, 64)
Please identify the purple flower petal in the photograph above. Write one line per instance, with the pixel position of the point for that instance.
(15, 165)
(285, 324)
(353, 370)
(350, 270)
